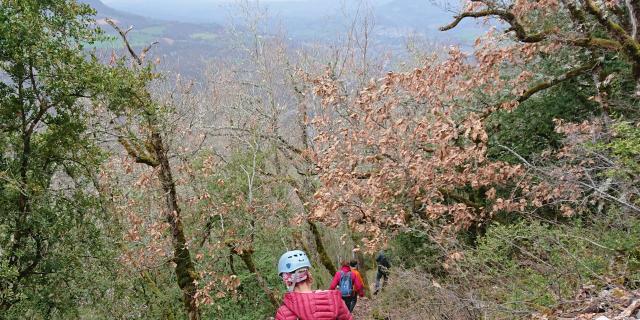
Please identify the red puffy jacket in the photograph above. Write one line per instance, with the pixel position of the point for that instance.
(316, 305)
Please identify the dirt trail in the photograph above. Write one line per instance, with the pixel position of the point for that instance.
(363, 308)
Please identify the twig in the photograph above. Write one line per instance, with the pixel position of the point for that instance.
(602, 193)
(123, 34)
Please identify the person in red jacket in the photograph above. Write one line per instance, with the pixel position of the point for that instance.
(348, 284)
(301, 302)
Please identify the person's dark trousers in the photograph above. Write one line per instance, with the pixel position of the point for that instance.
(381, 275)
(350, 302)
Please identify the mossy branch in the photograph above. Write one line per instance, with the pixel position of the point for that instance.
(247, 257)
(522, 35)
(123, 34)
(550, 83)
(138, 152)
(322, 251)
(577, 15)
(631, 46)
(591, 42)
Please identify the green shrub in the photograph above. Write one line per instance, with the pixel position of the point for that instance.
(535, 265)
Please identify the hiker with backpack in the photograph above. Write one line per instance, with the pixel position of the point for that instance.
(348, 284)
(301, 302)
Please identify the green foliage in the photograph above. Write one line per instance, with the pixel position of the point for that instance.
(534, 265)
(251, 301)
(414, 249)
(528, 130)
(515, 268)
(248, 211)
(51, 241)
(205, 36)
(625, 147)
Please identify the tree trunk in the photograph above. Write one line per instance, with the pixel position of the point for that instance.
(24, 203)
(325, 259)
(185, 270)
(300, 242)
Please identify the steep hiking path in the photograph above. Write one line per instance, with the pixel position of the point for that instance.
(363, 309)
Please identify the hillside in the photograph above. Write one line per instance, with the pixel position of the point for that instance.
(313, 20)
(104, 10)
(424, 17)
(499, 181)
(183, 46)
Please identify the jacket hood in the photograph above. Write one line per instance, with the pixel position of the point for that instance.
(345, 268)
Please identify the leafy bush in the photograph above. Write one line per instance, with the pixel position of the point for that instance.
(413, 294)
(535, 265)
(414, 249)
(529, 129)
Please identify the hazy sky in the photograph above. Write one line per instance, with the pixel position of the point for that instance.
(215, 10)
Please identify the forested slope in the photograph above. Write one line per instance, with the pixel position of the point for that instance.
(501, 182)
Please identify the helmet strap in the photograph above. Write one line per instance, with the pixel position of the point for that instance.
(292, 278)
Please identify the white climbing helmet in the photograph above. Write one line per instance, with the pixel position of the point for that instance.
(291, 261)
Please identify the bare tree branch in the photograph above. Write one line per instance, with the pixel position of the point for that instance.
(632, 19)
(275, 137)
(123, 34)
(578, 182)
(504, 15)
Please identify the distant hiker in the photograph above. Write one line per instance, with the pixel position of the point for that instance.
(302, 303)
(383, 270)
(354, 268)
(348, 284)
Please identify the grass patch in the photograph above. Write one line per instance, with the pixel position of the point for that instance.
(204, 36)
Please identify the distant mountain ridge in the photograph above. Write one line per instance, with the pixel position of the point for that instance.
(188, 45)
(98, 5)
(321, 19)
(181, 46)
(106, 11)
(426, 17)
(157, 28)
